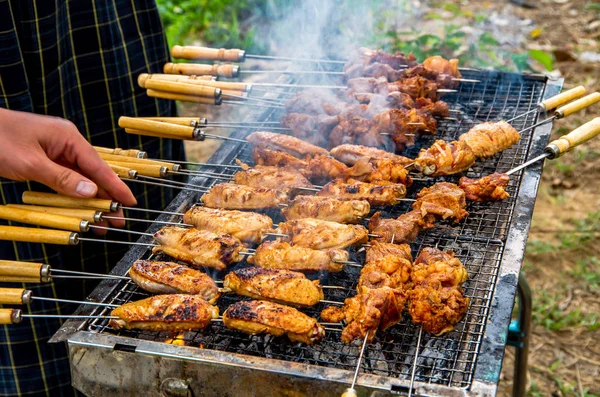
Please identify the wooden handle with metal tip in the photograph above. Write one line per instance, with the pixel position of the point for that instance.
(183, 98)
(42, 219)
(134, 131)
(10, 316)
(122, 152)
(233, 92)
(123, 172)
(35, 235)
(58, 200)
(221, 70)
(21, 272)
(187, 121)
(575, 138)
(224, 85)
(562, 98)
(179, 87)
(13, 296)
(184, 78)
(207, 54)
(92, 216)
(155, 171)
(157, 126)
(577, 105)
(112, 157)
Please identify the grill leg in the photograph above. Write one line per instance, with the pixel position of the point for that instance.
(518, 336)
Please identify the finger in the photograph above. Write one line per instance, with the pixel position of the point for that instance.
(119, 213)
(100, 232)
(63, 180)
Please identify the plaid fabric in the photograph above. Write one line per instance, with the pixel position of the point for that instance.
(76, 59)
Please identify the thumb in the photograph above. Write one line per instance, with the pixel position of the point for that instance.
(65, 181)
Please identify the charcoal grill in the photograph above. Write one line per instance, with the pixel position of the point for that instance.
(465, 362)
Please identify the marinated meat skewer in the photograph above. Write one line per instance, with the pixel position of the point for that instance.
(488, 188)
(376, 195)
(327, 208)
(275, 285)
(445, 158)
(319, 234)
(444, 200)
(350, 154)
(282, 255)
(401, 230)
(386, 265)
(260, 317)
(235, 197)
(271, 177)
(165, 313)
(487, 139)
(294, 146)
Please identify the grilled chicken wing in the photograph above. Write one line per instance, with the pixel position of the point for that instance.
(282, 255)
(443, 199)
(487, 139)
(488, 188)
(403, 229)
(433, 264)
(286, 143)
(165, 313)
(388, 170)
(436, 308)
(231, 196)
(319, 234)
(350, 154)
(262, 155)
(322, 169)
(275, 285)
(172, 278)
(376, 195)
(263, 317)
(199, 247)
(445, 158)
(271, 177)
(246, 226)
(370, 310)
(326, 208)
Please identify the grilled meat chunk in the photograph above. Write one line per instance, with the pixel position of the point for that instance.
(263, 317)
(294, 146)
(368, 311)
(231, 196)
(400, 122)
(487, 188)
(445, 158)
(247, 226)
(322, 169)
(356, 130)
(350, 154)
(403, 229)
(265, 156)
(487, 139)
(436, 308)
(376, 195)
(436, 108)
(390, 266)
(165, 313)
(379, 250)
(271, 177)
(388, 170)
(313, 129)
(443, 66)
(444, 199)
(282, 255)
(172, 278)
(199, 247)
(275, 285)
(433, 264)
(326, 208)
(319, 234)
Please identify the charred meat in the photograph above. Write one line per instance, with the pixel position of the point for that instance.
(271, 177)
(445, 158)
(282, 255)
(319, 234)
(403, 229)
(489, 188)
(445, 200)
(376, 195)
(350, 154)
(294, 146)
(237, 197)
(326, 208)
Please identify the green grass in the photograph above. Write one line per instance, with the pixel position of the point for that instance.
(547, 312)
(587, 272)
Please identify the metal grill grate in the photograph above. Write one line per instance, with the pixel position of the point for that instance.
(478, 242)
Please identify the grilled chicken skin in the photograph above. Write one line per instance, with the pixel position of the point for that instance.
(275, 285)
(165, 313)
(231, 196)
(286, 143)
(263, 317)
(199, 247)
(263, 155)
(403, 229)
(247, 226)
(488, 188)
(270, 177)
(445, 200)
(282, 255)
(350, 154)
(326, 208)
(172, 278)
(319, 234)
(487, 139)
(376, 195)
(386, 265)
(433, 264)
(445, 158)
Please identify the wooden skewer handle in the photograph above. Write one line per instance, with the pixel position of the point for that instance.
(234, 92)
(123, 172)
(577, 105)
(92, 216)
(221, 70)
(35, 235)
(22, 272)
(562, 98)
(224, 85)
(187, 121)
(14, 296)
(112, 157)
(43, 219)
(207, 54)
(10, 316)
(575, 138)
(134, 131)
(157, 126)
(122, 152)
(156, 171)
(183, 98)
(179, 87)
(57, 200)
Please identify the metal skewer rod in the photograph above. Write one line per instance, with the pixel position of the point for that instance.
(68, 316)
(96, 275)
(247, 126)
(120, 230)
(72, 301)
(149, 210)
(243, 98)
(278, 58)
(199, 164)
(554, 102)
(414, 366)
(349, 263)
(251, 104)
(350, 392)
(99, 240)
(164, 185)
(144, 220)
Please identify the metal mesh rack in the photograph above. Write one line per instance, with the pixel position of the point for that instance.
(478, 241)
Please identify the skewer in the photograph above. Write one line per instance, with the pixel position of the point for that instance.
(414, 367)
(554, 102)
(15, 316)
(350, 392)
(19, 296)
(349, 263)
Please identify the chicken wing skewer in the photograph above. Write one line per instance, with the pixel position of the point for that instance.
(319, 234)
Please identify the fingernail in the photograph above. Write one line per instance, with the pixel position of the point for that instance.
(86, 189)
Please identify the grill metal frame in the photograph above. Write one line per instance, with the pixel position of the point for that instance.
(491, 230)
